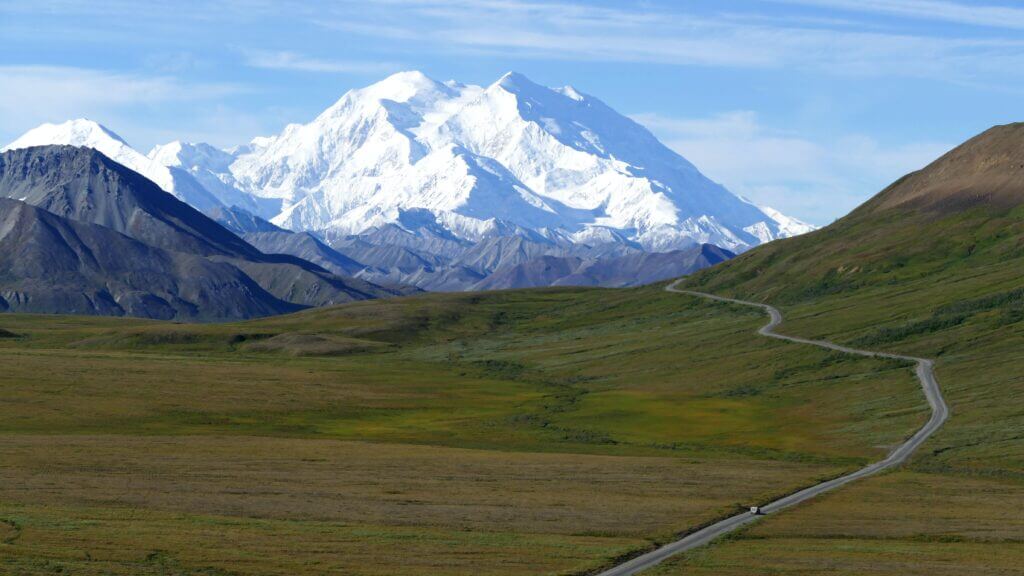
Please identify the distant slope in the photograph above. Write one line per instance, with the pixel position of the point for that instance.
(50, 264)
(540, 271)
(646, 267)
(240, 221)
(83, 185)
(270, 239)
(629, 270)
(306, 246)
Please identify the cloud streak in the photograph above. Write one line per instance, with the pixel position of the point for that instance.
(35, 94)
(26, 86)
(806, 36)
(988, 16)
(285, 60)
(566, 31)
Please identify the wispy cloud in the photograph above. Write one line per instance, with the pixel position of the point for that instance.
(799, 176)
(568, 31)
(35, 94)
(989, 16)
(24, 86)
(830, 36)
(285, 60)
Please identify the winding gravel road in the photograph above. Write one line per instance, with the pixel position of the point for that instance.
(940, 412)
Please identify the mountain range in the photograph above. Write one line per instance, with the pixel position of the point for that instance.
(443, 185)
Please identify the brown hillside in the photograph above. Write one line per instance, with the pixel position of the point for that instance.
(987, 170)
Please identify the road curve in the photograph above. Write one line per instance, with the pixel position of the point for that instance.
(940, 412)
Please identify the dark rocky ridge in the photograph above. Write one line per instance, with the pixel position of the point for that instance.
(81, 185)
(306, 246)
(50, 264)
(84, 185)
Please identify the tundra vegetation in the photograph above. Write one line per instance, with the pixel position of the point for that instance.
(525, 432)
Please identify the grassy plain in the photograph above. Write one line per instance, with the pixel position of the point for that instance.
(948, 287)
(529, 432)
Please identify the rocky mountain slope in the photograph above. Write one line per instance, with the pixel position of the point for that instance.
(82, 185)
(50, 264)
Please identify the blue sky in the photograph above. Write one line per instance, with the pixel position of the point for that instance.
(810, 106)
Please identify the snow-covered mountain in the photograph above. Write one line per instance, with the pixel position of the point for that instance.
(89, 134)
(476, 161)
(482, 158)
(210, 167)
(442, 184)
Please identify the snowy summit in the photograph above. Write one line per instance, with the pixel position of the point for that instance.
(510, 158)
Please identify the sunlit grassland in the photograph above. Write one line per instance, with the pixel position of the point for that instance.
(905, 522)
(303, 506)
(527, 432)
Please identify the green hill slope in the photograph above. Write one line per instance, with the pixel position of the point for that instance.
(932, 266)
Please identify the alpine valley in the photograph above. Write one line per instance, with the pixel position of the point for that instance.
(446, 187)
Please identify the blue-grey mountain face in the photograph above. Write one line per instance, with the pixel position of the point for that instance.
(84, 234)
(50, 264)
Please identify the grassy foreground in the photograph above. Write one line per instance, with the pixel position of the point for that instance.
(529, 432)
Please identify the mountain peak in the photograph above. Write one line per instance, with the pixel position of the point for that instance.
(91, 126)
(515, 156)
(84, 133)
(180, 153)
(410, 87)
(513, 81)
(516, 152)
(525, 89)
(408, 76)
(77, 132)
(168, 154)
(404, 86)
